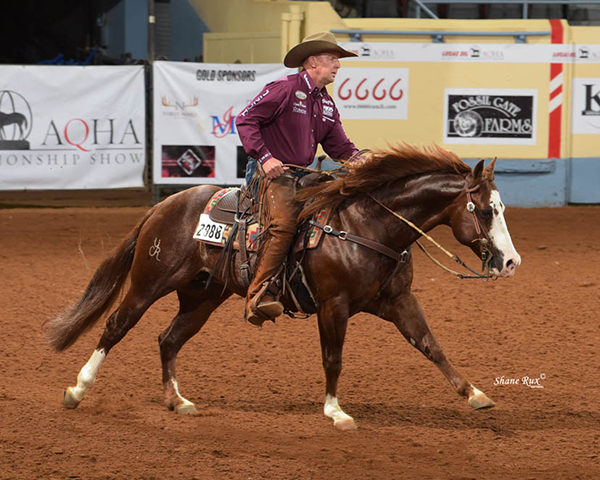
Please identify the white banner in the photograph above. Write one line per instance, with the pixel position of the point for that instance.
(372, 93)
(71, 127)
(195, 106)
(586, 106)
(473, 53)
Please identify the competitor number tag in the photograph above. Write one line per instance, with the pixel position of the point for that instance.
(208, 230)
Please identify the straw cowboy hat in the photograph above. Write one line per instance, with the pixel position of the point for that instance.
(315, 44)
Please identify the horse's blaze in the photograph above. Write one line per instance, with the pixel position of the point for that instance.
(501, 239)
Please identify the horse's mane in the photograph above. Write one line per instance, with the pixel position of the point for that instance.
(381, 168)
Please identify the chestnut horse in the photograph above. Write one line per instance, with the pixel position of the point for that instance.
(429, 187)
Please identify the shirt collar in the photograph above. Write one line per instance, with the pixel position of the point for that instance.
(308, 81)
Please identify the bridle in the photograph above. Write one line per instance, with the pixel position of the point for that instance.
(486, 254)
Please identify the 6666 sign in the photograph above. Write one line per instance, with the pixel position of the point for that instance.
(372, 93)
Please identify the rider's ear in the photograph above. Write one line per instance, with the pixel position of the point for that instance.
(488, 173)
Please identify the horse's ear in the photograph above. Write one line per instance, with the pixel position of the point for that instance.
(477, 172)
(488, 173)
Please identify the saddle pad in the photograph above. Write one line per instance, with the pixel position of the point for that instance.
(215, 233)
(313, 235)
(216, 197)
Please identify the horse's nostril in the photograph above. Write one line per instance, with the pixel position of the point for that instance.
(510, 264)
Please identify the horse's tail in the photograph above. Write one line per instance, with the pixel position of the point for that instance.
(102, 291)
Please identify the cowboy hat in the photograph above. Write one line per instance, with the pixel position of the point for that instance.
(315, 44)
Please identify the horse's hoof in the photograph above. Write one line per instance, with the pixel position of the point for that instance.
(185, 409)
(480, 400)
(69, 399)
(345, 424)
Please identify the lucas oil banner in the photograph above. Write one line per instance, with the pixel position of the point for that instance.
(71, 127)
(195, 107)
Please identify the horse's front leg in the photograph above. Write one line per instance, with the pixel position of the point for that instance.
(406, 313)
(333, 320)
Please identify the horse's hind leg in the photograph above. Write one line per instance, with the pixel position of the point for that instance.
(195, 308)
(406, 313)
(119, 323)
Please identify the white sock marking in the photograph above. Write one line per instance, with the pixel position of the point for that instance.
(176, 388)
(87, 375)
(332, 410)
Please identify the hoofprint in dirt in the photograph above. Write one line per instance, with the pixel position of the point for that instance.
(259, 392)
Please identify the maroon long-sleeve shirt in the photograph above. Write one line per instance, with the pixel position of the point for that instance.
(288, 119)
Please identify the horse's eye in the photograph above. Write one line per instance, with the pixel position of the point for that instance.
(487, 213)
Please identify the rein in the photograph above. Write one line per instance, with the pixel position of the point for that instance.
(484, 239)
(329, 173)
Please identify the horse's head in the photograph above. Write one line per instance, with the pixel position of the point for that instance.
(477, 220)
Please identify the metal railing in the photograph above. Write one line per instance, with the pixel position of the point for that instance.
(422, 4)
(437, 36)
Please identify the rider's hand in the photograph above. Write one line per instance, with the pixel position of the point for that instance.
(273, 168)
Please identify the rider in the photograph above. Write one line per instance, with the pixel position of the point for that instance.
(283, 125)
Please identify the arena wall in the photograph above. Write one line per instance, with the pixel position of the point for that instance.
(559, 165)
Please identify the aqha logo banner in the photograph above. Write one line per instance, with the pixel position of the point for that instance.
(72, 127)
(372, 93)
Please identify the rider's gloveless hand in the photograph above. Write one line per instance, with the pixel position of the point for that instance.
(273, 168)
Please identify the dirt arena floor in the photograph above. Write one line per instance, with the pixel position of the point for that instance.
(260, 392)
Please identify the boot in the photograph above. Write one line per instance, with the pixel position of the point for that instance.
(282, 211)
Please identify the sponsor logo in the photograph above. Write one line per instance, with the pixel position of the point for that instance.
(327, 110)
(562, 55)
(327, 102)
(371, 93)
(307, 81)
(15, 121)
(483, 53)
(224, 125)
(371, 88)
(586, 106)
(490, 116)
(375, 52)
(299, 107)
(455, 53)
(592, 99)
(300, 94)
(254, 102)
(189, 161)
(179, 108)
(182, 161)
(586, 53)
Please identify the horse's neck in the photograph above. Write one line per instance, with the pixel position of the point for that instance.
(423, 200)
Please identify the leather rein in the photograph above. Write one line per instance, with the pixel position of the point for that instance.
(483, 237)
